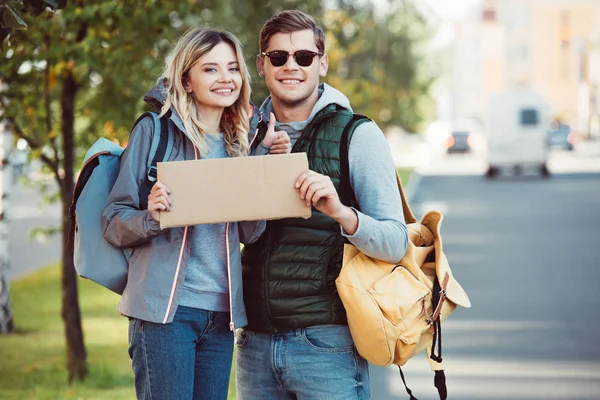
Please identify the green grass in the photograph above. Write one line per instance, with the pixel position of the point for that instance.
(32, 361)
(404, 175)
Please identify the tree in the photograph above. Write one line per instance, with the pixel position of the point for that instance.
(376, 61)
(11, 14)
(10, 19)
(6, 319)
(73, 75)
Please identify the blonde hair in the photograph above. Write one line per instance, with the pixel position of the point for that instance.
(235, 120)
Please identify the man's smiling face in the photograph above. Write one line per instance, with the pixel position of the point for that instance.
(291, 84)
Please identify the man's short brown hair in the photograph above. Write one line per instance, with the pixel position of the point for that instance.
(289, 21)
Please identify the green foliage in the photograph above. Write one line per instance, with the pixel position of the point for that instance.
(11, 14)
(116, 50)
(376, 61)
(405, 174)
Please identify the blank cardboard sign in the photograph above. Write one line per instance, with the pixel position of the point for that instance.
(233, 189)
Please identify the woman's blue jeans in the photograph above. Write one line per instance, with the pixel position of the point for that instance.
(189, 358)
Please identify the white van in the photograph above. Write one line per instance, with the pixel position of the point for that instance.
(517, 133)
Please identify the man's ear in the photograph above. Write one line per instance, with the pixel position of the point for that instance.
(323, 65)
(260, 65)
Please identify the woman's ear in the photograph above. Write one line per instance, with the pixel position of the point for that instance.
(186, 85)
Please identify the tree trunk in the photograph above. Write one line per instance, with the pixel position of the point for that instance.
(76, 353)
(6, 319)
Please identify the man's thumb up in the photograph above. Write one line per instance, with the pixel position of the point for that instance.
(271, 135)
(278, 142)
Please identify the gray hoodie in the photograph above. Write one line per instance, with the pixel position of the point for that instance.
(381, 232)
(187, 266)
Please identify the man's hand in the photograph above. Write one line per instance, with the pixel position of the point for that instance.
(318, 190)
(277, 142)
(158, 200)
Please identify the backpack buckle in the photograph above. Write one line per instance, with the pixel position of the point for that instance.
(152, 174)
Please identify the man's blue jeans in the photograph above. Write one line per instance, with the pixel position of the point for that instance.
(316, 363)
(189, 358)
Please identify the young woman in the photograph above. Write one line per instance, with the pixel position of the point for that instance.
(184, 295)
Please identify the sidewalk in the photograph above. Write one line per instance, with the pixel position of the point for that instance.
(411, 152)
(588, 148)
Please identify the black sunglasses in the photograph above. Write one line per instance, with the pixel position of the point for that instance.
(304, 58)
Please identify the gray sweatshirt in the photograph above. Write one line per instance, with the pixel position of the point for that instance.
(206, 283)
(381, 232)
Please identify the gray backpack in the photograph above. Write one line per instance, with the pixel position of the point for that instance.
(94, 258)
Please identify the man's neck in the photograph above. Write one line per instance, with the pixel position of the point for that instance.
(285, 112)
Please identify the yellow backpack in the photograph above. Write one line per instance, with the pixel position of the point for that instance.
(395, 310)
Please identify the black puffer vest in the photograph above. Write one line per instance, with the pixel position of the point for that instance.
(289, 273)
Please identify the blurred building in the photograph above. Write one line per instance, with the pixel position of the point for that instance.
(552, 46)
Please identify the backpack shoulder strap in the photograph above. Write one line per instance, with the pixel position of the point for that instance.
(260, 133)
(162, 143)
(346, 193)
(347, 196)
(255, 118)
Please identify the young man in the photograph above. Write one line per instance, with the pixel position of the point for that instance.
(297, 344)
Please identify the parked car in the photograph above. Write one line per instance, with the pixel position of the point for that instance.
(459, 142)
(561, 136)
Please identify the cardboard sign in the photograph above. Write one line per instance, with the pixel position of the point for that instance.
(233, 189)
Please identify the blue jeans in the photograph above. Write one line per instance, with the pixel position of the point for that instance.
(319, 363)
(189, 358)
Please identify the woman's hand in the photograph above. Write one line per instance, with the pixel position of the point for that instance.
(158, 200)
(277, 142)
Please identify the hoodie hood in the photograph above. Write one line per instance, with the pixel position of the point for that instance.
(327, 95)
(156, 98)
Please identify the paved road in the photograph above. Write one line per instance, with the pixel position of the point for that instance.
(526, 251)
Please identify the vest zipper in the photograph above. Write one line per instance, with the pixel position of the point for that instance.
(266, 281)
(268, 262)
